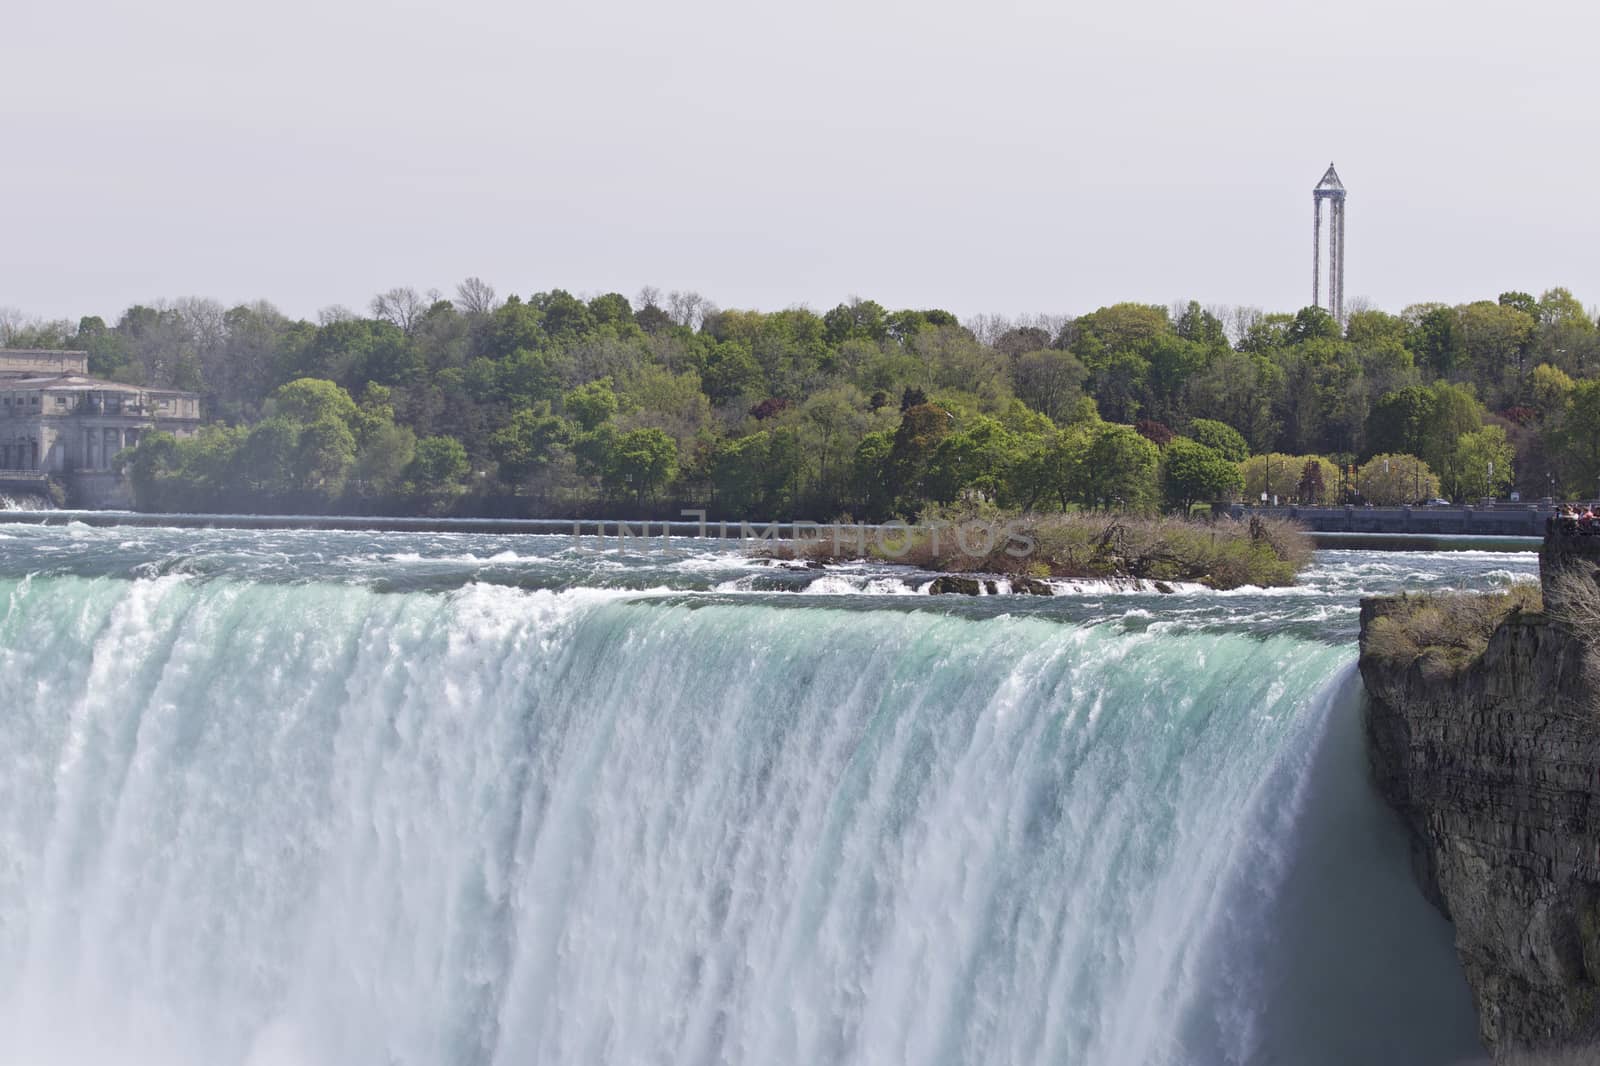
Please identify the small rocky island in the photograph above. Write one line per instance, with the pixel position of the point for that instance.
(1483, 730)
(970, 551)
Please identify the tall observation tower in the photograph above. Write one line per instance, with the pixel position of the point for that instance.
(1332, 189)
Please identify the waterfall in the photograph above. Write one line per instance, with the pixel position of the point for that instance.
(285, 823)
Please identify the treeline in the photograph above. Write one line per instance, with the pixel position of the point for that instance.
(559, 405)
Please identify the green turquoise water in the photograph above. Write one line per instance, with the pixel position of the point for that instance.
(317, 798)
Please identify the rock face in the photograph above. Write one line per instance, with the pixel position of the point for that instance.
(1495, 769)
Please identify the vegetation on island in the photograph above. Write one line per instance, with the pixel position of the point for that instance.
(556, 405)
(1083, 546)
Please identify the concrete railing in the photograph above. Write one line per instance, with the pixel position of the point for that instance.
(1508, 520)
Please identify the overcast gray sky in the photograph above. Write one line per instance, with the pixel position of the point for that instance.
(996, 157)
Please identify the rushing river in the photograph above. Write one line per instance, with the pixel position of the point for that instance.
(338, 799)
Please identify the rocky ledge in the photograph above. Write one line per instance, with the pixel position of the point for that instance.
(1493, 763)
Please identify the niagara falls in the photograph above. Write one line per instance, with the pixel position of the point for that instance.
(294, 798)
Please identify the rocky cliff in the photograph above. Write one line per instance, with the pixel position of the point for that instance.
(1493, 762)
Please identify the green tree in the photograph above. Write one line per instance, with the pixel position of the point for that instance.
(526, 444)
(1054, 467)
(1437, 340)
(1452, 413)
(1313, 323)
(325, 455)
(1375, 328)
(1240, 389)
(921, 429)
(562, 316)
(1496, 338)
(858, 318)
(613, 310)
(308, 400)
(1482, 463)
(1393, 479)
(591, 404)
(1118, 384)
(267, 461)
(513, 326)
(642, 462)
(1050, 382)
(1398, 422)
(1124, 327)
(148, 464)
(755, 475)
(1551, 389)
(1201, 326)
(438, 465)
(1119, 470)
(731, 372)
(1578, 440)
(1219, 437)
(1192, 473)
(1521, 301)
(1279, 475)
(384, 452)
(873, 474)
(978, 459)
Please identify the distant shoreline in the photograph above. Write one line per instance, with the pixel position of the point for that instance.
(641, 530)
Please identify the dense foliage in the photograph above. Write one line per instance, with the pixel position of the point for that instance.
(559, 405)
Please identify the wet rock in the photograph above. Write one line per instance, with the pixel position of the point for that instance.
(1031, 586)
(951, 584)
(1164, 588)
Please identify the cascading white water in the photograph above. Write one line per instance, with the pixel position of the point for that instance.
(250, 822)
(24, 502)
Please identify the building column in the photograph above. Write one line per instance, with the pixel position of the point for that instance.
(1335, 253)
(1338, 312)
(1316, 249)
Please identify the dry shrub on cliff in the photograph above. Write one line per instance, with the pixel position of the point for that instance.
(1454, 625)
(1575, 601)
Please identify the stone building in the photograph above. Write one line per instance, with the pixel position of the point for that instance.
(58, 421)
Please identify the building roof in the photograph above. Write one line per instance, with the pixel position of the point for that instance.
(79, 383)
(1330, 182)
(64, 383)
